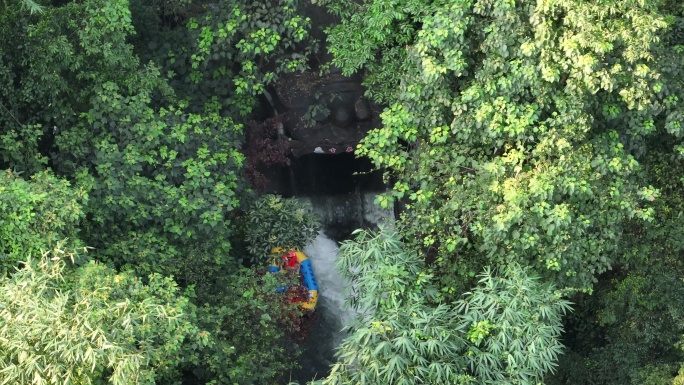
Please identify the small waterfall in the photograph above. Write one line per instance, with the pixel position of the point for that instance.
(323, 255)
(330, 317)
(341, 190)
(340, 214)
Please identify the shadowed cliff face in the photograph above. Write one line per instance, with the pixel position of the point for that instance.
(337, 186)
(324, 114)
(321, 117)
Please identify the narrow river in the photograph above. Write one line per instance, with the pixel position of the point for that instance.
(340, 215)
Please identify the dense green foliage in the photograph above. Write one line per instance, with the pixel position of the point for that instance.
(248, 328)
(36, 214)
(163, 183)
(530, 145)
(542, 132)
(633, 321)
(231, 50)
(125, 118)
(278, 222)
(506, 331)
(514, 137)
(88, 326)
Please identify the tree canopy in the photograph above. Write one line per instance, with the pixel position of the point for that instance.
(533, 148)
(505, 331)
(518, 130)
(544, 133)
(100, 327)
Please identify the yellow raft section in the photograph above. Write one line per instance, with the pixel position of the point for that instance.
(306, 270)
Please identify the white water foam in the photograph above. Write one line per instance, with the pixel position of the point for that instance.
(331, 285)
(356, 209)
(323, 253)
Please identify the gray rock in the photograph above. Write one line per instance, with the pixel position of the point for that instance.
(342, 117)
(363, 111)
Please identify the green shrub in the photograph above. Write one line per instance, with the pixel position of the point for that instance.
(275, 221)
(91, 325)
(34, 214)
(506, 330)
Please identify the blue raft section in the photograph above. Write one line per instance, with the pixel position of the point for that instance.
(306, 270)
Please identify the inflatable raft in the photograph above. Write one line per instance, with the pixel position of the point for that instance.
(289, 259)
